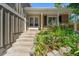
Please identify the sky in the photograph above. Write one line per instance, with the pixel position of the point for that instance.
(47, 5)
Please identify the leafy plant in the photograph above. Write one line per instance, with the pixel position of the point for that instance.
(54, 38)
(40, 49)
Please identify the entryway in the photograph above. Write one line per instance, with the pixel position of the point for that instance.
(33, 21)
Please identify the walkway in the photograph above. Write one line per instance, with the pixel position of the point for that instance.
(23, 45)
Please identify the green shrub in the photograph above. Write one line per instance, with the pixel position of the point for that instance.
(54, 38)
(40, 49)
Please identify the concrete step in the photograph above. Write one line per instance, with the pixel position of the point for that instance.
(27, 36)
(23, 43)
(24, 40)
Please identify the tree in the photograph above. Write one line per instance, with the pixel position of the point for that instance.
(58, 4)
(74, 7)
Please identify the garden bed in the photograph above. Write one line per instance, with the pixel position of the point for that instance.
(56, 38)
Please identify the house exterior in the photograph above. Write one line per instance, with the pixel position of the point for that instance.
(43, 17)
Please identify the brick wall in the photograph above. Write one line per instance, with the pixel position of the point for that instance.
(78, 26)
(64, 18)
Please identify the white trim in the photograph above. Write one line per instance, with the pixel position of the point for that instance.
(48, 19)
(30, 10)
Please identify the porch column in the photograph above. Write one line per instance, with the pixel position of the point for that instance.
(24, 24)
(75, 27)
(41, 21)
(8, 27)
(13, 27)
(75, 24)
(58, 19)
(1, 27)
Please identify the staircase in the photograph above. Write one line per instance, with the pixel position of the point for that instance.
(23, 45)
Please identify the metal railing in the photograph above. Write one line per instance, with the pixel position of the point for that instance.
(11, 26)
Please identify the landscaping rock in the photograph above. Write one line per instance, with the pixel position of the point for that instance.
(60, 51)
(56, 53)
(63, 50)
(50, 54)
(68, 49)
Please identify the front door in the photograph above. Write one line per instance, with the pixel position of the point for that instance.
(36, 22)
(33, 21)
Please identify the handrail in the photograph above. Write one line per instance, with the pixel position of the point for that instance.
(10, 9)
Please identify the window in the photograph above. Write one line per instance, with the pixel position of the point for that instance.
(52, 20)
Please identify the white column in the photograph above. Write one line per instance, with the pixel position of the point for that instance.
(58, 19)
(19, 25)
(12, 28)
(41, 20)
(17, 7)
(75, 27)
(1, 27)
(13, 24)
(8, 27)
(24, 24)
(75, 24)
(16, 27)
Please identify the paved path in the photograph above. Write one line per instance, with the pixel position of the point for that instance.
(23, 45)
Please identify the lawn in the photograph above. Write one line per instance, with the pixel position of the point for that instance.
(54, 39)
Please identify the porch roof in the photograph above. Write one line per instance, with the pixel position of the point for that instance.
(30, 10)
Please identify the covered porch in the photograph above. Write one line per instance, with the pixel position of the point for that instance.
(44, 17)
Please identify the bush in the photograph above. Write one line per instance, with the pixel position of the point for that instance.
(56, 37)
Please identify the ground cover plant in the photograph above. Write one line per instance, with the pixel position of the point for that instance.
(54, 38)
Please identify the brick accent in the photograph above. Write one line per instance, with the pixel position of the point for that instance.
(64, 18)
(78, 26)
